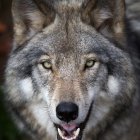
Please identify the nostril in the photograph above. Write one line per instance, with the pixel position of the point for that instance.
(67, 111)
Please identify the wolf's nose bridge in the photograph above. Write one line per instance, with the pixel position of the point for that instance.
(67, 111)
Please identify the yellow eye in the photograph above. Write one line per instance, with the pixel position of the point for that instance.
(46, 64)
(90, 63)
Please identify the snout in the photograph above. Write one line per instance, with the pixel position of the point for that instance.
(67, 111)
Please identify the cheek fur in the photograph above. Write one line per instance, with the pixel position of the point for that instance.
(26, 88)
(92, 92)
(113, 85)
(40, 113)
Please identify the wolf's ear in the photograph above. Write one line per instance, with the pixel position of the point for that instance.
(29, 17)
(107, 16)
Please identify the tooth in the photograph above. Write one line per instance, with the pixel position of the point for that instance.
(76, 133)
(60, 133)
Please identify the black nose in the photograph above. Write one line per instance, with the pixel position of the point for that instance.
(67, 111)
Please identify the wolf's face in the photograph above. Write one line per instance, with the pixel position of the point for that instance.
(67, 78)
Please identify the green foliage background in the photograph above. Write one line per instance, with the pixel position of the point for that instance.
(8, 131)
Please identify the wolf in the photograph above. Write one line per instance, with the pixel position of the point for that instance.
(70, 74)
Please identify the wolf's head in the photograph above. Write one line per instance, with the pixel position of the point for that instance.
(68, 72)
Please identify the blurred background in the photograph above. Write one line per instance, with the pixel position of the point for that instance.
(7, 129)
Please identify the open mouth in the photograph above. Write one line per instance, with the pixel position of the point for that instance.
(68, 132)
(72, 131)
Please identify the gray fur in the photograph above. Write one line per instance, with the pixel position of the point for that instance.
(69, 36)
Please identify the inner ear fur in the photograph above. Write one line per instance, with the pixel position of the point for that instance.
(107, 16)
(29, 17)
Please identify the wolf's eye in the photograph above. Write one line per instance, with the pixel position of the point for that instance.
(90, 63)
(46, 64)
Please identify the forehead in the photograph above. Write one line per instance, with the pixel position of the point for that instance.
(78, 40)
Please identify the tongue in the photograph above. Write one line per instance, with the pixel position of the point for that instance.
(69, 127)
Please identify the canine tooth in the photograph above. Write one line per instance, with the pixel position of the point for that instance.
(76, 133)
(60, 133)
